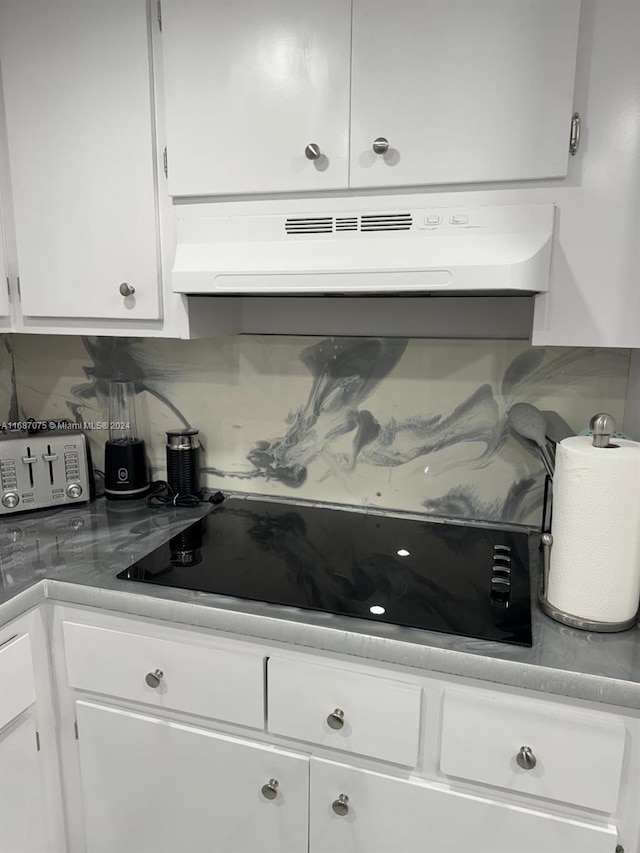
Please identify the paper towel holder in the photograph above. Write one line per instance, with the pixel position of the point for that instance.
(558, 615)
(602, 427)
(584, 624)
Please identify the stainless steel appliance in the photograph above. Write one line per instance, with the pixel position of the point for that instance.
(51, 468)
(455, 578)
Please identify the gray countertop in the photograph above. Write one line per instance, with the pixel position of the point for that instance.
(73, 556)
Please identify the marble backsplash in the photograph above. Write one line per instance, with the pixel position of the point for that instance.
(410, 424)
(8, 398)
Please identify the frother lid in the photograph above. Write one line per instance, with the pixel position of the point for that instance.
(183, 439)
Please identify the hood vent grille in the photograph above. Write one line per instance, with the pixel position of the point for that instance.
(368, 222)
(310, 225)
(386, 222)
(346, 223)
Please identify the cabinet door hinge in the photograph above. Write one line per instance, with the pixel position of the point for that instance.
(75, 729)
(165, 163)
(38, 741)
(159, 7)
(574, 136)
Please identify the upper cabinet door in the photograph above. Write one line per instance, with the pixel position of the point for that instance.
(4, 292)
(257, 95)
(461, 90)
(77, 87)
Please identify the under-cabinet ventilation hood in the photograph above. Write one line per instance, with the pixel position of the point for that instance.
(489, 249)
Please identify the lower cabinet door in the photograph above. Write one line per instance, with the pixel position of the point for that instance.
(154, 785)
(356, 810)
(23, 824)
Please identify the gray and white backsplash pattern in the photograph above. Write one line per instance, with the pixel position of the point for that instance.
(408, 424)
(8, 399)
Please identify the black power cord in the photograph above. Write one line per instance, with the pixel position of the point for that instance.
(163, 496)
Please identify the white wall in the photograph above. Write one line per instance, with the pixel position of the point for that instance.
(632, 410)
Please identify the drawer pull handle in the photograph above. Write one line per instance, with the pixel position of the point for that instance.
(526, 759)
(335, 720)
(154, 678)
(270, 790)
(341, 805)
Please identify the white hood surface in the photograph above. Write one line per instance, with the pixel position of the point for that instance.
(490, 249)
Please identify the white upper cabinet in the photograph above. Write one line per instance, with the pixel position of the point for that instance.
(257, 95)
(78, 100)
(299, 95)
(4, 292)
(459, 91)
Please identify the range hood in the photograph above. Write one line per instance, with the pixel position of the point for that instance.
(485, 249)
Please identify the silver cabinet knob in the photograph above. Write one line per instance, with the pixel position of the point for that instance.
(154, 678)
(380, 145)
(341, 805)
(312, 151)
(270, 790)
(126, 289)
(335, 720)
(526, 759)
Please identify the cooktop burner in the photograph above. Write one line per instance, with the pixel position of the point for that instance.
(472, 581)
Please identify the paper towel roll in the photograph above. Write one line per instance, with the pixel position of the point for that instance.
(595, 556)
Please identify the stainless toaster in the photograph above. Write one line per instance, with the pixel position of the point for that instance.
(50, 468)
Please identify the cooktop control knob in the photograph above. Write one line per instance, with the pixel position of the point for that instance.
(10, 500)
(74, 490)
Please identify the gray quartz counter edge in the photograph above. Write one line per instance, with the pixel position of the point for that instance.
(289, 627)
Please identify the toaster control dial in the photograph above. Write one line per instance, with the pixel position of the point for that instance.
(10, 500)
(74, 490)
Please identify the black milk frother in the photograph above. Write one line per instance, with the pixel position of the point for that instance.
(183, 462)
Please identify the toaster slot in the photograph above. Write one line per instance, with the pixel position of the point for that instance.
(50, 458)
(29, 461)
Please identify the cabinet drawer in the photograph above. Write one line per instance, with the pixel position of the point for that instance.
(222, 684)
(17, 688)
(373, 716)
(576, 756)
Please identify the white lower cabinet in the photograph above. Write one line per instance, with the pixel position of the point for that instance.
(30, 803)
(23, 827)
(359, 810)
(318, 753)
(159, 786)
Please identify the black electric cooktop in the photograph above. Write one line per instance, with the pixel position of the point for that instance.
(472, 581)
